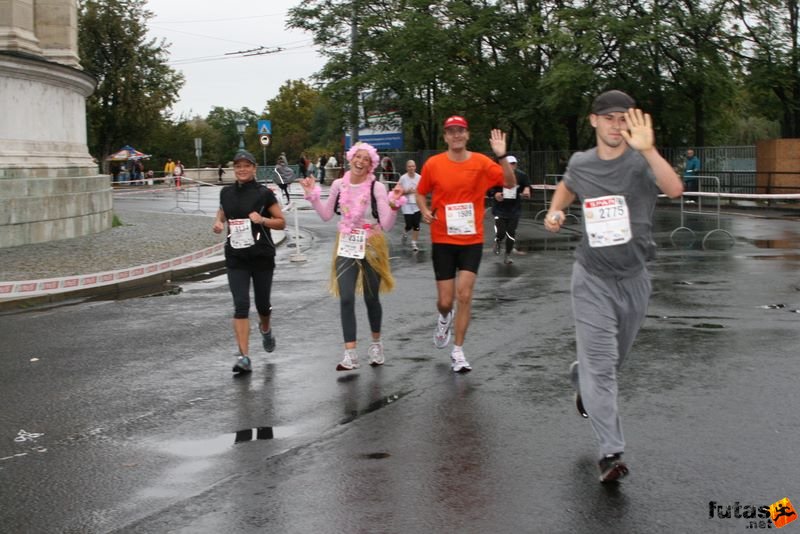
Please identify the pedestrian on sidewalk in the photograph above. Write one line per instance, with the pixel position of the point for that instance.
(251, 211)
(361, 252)
(617, 183)
(178, 171)
(284, 176)
(457, 181)
(507, 210)
(411, 213)
(690, 173)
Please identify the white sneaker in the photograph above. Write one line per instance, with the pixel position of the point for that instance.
(375, 352)
(405, 237)
(349, 362)
(459, 362)
(442, 335)
(414, 247)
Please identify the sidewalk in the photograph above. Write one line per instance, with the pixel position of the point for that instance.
(170, 241)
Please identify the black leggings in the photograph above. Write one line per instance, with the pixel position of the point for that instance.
(285, 189)
(347, 271)
(506, 227)
(239, 282)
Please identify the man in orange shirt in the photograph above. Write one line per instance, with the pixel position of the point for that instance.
(457, 181)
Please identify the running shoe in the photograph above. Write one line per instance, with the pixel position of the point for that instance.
(612, 467)
(405, 238)
(375, 352)
(243, 364)
(496, 248)
(459, 363)
(442, 335)
(518, 252)
(414, 247)
(268, 340)
(506, 259)
(349, 362)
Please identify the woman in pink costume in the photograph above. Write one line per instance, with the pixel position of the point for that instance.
(361, 252)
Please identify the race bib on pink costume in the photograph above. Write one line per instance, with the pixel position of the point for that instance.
(353, 245)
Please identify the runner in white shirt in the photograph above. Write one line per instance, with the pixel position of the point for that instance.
(411, 213)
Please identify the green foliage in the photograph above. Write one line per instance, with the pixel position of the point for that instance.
(134, 84)
(291, 113)
(534, 66)
(708, 71)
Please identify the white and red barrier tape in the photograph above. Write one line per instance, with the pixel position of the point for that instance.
(47, 286)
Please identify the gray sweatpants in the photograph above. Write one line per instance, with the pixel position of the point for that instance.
(608, 314)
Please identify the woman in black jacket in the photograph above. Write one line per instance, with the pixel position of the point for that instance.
(251, 211)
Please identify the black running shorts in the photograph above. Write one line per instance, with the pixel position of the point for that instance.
(448, 258)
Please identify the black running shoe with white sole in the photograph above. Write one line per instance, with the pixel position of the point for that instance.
(612, 468)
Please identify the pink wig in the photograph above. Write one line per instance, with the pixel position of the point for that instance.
(373, 154)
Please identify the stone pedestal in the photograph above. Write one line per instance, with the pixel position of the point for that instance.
(50, 187)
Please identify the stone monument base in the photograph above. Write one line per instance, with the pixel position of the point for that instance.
(50, 187)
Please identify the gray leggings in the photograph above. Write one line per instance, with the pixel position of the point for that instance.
(347, 271)
(608, 314)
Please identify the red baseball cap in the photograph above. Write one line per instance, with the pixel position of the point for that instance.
(456, 120)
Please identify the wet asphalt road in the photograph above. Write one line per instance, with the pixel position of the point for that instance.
(130, 413)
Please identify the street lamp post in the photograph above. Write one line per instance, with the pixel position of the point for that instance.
(241, 125)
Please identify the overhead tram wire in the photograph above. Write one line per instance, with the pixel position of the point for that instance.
(235, 55)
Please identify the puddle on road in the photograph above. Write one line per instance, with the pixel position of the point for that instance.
(262, 432)
(778, 307)
(201, 448)
(789, 242)
(375, 455)
(708, 326)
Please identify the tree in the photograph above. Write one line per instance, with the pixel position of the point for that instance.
(291, 113)
(135, 86)
(769, 29)
(225, 139)
(534, 66)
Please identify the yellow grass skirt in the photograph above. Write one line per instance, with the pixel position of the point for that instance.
(377, 255)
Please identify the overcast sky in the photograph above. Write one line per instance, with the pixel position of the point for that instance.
(202, 32)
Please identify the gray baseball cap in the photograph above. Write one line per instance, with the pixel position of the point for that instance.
(612, 101)
(244, 154)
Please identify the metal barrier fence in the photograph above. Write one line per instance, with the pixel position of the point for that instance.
(705, 184)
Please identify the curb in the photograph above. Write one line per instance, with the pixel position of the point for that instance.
(114, 290)
(215, 264)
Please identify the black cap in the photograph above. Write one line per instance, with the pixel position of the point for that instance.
(612, 101)
(244, 154)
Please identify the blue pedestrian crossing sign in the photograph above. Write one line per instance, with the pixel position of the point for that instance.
(264, 127)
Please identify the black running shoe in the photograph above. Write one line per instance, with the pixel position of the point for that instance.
(579, 406)
(268, 340)
(612, 468)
